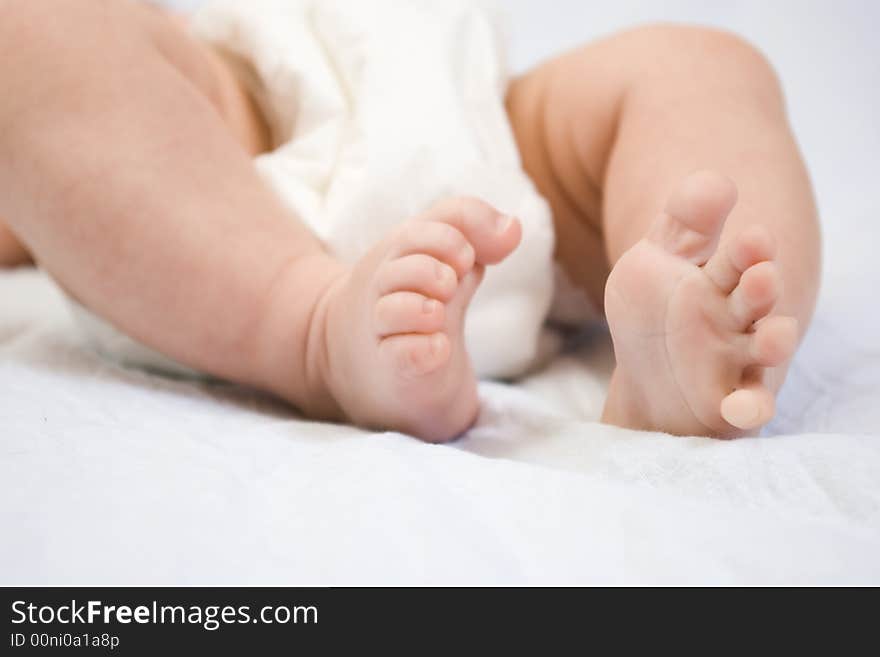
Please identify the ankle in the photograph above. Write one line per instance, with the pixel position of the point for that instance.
(294, 351)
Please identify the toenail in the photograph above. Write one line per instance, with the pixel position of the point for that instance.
(441, 271)
(436, 344)
(428, 306)
(502, 222)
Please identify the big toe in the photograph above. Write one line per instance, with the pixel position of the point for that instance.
(493, 234)
(695, 213)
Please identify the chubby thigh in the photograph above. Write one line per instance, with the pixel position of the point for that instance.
(353, 158)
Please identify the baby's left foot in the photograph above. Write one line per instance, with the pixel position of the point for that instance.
(691, 322)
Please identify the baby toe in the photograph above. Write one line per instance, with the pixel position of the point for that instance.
(753, 245)
(493, 235)
(408, 312)
(418, 273)
(694, 216)
(702, 200)
(416, 355)
(755, 294)
(773, 341)
(438, 240)
(749, 407)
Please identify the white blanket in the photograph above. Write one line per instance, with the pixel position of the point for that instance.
(117, 476)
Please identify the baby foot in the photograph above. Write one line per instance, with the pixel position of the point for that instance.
(396, 356)
(691, 322)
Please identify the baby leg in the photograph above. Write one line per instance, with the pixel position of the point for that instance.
(121, 177)
(713, 276)
(124, 178)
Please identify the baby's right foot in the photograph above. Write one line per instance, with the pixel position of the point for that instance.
(691, 322)
(393, 325)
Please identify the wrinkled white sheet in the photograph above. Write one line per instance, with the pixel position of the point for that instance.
(111, 476)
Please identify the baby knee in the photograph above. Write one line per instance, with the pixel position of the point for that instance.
(690, 48)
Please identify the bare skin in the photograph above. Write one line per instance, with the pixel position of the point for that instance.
(703, 276)
(12, 252)
(380, 344)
